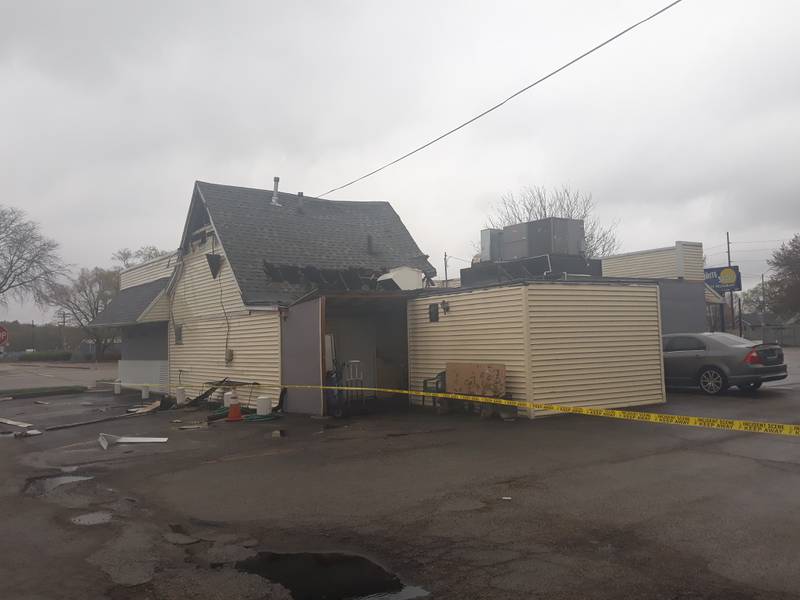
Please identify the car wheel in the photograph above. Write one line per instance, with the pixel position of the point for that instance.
(712, 381)
(750, 387)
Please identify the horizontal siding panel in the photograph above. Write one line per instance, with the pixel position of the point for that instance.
(159, 311)
(595, 345)
(693, 262)
(658, 263)
(481, 326)
(209, 311)
(150, 271)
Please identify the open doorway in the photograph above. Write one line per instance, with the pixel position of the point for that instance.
(366, 344)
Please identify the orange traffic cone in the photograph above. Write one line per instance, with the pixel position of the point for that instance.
(234, 412)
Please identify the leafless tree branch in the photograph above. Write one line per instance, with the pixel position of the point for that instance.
(29, 261)
(536, 202)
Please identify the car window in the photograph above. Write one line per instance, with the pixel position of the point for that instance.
(678, 344)
(730, 339)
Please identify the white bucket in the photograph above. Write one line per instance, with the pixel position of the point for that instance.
(226, 399)
(263, 405)
(180, 396)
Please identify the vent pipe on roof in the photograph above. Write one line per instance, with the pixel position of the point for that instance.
(275, 192)
(301, 204)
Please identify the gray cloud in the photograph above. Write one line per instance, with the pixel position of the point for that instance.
(685, 129)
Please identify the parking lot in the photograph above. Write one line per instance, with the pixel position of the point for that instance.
(561, 507)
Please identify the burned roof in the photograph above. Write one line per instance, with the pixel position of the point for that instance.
(303, 232)
(130, 303)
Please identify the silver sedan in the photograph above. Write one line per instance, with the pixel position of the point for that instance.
(715, 361)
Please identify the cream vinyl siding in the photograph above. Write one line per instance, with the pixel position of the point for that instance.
(651, 264)
(198, 301)
(693, 261)
(595, 345)
(562, 343)
(157, 311)
(149, 271)
(684, 259)
(481, 326)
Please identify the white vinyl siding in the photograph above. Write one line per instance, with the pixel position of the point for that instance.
(150, 271)
(211, 311)
(140, 373)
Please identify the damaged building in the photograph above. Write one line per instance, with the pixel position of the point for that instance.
(269, 289)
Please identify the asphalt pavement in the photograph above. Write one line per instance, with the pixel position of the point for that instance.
(559, 507)
(24, 375)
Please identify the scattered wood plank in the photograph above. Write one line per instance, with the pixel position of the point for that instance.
(15, 423)
(106, 440)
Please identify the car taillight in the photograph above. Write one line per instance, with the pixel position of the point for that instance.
(752, 358)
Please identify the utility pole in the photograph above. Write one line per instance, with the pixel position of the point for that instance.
(728, 240)
(33, 335)
(763, 300)
(62, 314)
(741, 326)
(445, 269)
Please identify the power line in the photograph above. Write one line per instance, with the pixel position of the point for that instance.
(499, 104)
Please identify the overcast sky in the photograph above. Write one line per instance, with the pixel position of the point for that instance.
(685, 129)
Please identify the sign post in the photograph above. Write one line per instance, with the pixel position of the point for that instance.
(723, 280)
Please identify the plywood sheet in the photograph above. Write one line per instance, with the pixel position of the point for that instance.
(476, 378)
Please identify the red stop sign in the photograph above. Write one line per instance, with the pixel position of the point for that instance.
(3, 336)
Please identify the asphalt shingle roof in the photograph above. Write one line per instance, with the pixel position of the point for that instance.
(130, 303)
(326, 234)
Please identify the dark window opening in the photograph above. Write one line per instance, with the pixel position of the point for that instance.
(679, 344)
(433, 313)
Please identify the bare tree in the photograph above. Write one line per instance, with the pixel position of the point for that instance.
(537, 202)
(123, 256)
(84, 298)
(29, 261)
(129, 258)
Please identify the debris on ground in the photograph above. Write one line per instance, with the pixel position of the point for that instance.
(106, 439)
(27, 433)
(15, 423)
(41, 402)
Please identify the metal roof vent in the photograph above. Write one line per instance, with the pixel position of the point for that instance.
(275, 192)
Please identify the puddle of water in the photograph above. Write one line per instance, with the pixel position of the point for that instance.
(329, 576)
(41, 486)
(94, 518)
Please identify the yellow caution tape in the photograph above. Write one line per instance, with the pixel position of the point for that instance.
(644, 417)
(785, 429)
